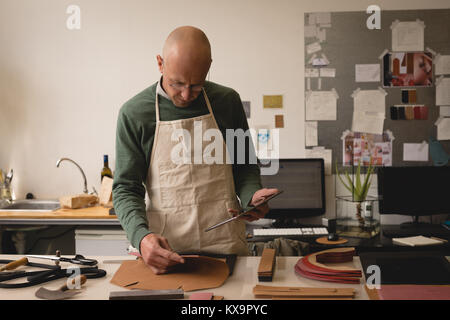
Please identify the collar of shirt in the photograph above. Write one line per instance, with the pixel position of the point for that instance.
(160, 90)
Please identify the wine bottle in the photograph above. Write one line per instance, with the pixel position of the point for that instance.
(106, 171)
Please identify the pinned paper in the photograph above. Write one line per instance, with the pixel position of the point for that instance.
(443, 129)
(311, 136)
(313, 47)
(368, 111)
(320, 18)
(311, 72)
(321, 34)
(328, 72)
(321, 105)
(444, 111)
(415, 151)
(442, 64)
(364, 148)
(275, 101)
(443, 91)
(320, 62)
(310, 31)
(408, 35)
(279, 121)
(321, 153)
(367, 72)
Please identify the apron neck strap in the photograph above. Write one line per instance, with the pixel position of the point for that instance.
(208, 104)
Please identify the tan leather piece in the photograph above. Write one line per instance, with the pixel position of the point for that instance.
(198, 272)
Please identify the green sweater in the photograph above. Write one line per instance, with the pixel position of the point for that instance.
(134, 140)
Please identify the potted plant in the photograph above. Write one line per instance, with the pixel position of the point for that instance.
(358, 187)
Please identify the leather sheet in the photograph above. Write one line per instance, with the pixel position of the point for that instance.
(198, 272)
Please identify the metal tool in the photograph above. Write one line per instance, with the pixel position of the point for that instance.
(243, 213)
(63, 292)
(78, 259)
(48, 273)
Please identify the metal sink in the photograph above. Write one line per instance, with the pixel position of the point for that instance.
(31, 205)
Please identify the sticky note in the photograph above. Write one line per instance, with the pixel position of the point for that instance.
(275, 101)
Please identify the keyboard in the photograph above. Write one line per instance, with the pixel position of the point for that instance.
(271, 232)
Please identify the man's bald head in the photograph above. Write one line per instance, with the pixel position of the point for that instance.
(185, 64)
(187, 43)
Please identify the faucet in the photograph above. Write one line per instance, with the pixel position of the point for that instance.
(85, 190)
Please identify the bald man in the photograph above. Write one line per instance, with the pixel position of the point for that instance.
(183, 198)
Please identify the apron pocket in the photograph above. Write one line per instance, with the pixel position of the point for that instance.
(174, 175)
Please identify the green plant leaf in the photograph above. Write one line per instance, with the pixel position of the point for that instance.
(358, 176)
(342, 181)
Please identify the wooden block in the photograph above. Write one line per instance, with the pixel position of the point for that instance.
(105, 195)
(279, 121)
(301, 292)
(146, 294)
(78, 201)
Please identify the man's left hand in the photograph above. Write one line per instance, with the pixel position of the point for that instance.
(258, 197)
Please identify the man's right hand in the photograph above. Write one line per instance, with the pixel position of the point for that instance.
(157, 253)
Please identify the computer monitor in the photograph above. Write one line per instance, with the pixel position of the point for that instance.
(414, 191)
(303, 185)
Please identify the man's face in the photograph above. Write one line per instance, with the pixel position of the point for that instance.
(183, 79)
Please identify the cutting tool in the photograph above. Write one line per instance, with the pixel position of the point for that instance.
(243, 213)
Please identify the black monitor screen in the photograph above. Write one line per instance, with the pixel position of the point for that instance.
(302, 182)
(414, 191)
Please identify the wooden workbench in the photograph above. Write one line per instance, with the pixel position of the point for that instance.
(238, 286)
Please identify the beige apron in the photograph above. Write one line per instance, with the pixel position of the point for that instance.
(187, 198)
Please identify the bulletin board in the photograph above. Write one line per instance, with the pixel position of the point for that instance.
(348, 41)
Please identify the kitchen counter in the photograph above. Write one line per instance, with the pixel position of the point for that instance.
(97, 215)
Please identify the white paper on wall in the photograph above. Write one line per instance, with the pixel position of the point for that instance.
(328, 72)
(367, 72)
(311, 72)
(442, 64)
(444, 111)
(372, 101)
(313, 47)
(311, 136)
(443, 128)
(368, 111)
(367, 122)
(310, 31)
(443, 91)
(321, 34)
(321, 153)
(415, 151)
(321, 18)
(408, 35)
(321, 105)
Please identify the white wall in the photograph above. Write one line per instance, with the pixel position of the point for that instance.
(60, 90)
